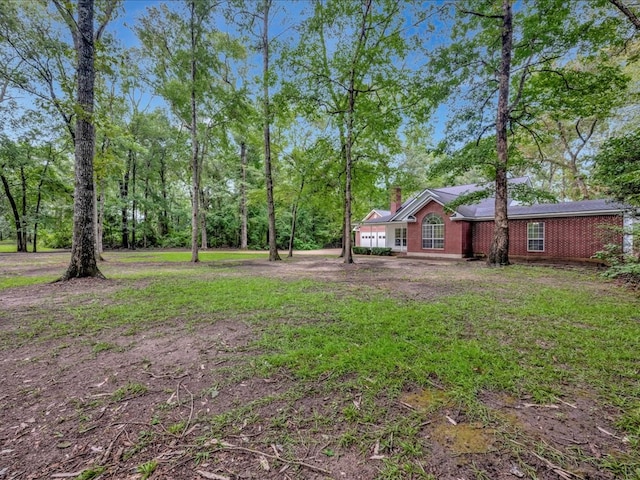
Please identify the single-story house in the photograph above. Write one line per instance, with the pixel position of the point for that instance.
(421, 226)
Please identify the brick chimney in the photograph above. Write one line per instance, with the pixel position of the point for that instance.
(396, 199)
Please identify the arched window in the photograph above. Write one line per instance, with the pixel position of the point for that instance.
(432, 231)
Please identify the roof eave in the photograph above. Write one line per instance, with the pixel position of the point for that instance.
(589, 213)
(406, 213)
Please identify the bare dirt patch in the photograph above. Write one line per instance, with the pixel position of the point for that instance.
(57, 293)
(187, 402)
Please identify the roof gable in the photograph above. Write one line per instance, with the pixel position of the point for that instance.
(485, 209)
(415, 205)
(446, 195)
(375, 214)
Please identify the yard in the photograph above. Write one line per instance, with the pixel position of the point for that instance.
(392, 368)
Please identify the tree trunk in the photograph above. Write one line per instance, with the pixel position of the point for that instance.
(23, 216)
(195, 187)
(294, 214)
(343, 142)
(204, 241)
(100, 219)
(203, 221)
(243, 197)
(20, 245)
(134, 203)
(271, 211)
(145, 212)
(38, 203)
(124, 201)
(499, 250)
(347, 251)
(83, 255)
(163, 224)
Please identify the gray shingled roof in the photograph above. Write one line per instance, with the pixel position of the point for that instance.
(485, 209)
(383, 219)
(582, 207)
(382, 213)
(458, 190)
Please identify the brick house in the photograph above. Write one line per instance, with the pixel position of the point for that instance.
(420, 226)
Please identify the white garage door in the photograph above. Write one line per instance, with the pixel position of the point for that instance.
(372, 239)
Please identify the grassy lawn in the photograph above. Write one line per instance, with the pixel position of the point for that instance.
(181, 256)
(9, 246)
(491, 346)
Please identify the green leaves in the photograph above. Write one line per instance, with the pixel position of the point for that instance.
(580, 89)
(618, 168)
(166, 39)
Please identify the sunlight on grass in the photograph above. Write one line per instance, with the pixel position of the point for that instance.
(545, 340)
(175, 272)
(11, 248)
(181, 256)
(10, 282)
(7, 248)
(531, 333)
(534, 341)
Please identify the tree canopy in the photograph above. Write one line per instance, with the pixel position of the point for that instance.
(237, 124)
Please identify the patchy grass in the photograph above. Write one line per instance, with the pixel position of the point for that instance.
(546, 341)
(181, 256)
(9, 246)
(372, 373)
(15, 281)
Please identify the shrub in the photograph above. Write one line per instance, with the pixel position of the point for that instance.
(362, 250)
(306, 244)
(611, 254)
(627, 272)
(60, 238)
(382, 251)
(621, 267)
(181, 239)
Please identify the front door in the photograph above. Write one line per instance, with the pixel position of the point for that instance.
(400, 239)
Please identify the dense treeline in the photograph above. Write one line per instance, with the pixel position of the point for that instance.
(344, 98)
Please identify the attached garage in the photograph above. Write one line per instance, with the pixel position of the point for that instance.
(372, 239)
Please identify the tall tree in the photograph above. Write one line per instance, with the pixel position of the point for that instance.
(195, 25)
(83, 248)
(243, 196)
(9, 153)
(499, 250)
(255, 18)
(190, 71)
(493, 56)
(266, 114)
(27, 173)
(343, 71)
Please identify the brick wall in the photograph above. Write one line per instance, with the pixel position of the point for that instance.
(568, 237)
(457, 235)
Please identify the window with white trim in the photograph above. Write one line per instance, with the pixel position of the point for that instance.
(401, 237)
(433, 231)
(535, 237)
